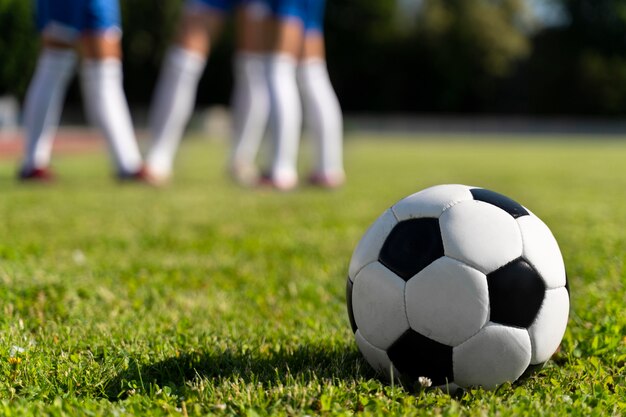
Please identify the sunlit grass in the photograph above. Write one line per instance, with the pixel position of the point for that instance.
(205, 298)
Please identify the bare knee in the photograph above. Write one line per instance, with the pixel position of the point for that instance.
(197, 30)
(101, 45)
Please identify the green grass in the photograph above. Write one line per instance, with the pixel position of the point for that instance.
(205, 298)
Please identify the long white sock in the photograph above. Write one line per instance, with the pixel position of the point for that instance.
(286, 117)
(251, 107)
(107, 107)
(323, 116)
(44, 103)
(172, 106)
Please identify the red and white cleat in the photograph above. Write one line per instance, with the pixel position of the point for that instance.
(280, 184)
(325, 180)
(144, 175)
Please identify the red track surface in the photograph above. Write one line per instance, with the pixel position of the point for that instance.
(67, 141)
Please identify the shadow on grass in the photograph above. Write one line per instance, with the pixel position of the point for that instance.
(303, 365)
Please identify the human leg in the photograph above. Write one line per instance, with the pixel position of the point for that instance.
(43, 106)
(106, 105)
(250, 100)
(322, 109)
(286, 110)
(46, 91)
(102, 84)
(322, 113)
(175, 93)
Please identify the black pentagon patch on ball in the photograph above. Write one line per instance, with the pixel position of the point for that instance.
(415, 355)
(349, 303)
(516, 292)
(411, 246)
(512, 207)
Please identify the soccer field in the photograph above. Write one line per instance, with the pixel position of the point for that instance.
(204, 298)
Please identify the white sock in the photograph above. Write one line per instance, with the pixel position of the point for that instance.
(323, 116)
(286, 116)
(250, 106)
(44, 103)
(107, 107)
(172, 106)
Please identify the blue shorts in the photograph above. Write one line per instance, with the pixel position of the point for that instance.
(310, 12)
(67, 19)
(218, 5)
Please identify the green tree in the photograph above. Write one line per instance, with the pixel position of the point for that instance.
(18, 46)
(598, 27)
(471, 45)
(452, 58)
(580, 67)
(359, 41)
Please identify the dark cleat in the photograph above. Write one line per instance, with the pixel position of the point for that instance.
(36, 174)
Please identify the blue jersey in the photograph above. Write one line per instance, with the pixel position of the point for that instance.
(310, 12)
(67, 19)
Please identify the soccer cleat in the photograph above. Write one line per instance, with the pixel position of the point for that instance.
(281, 184)
(245, 175)
(155, 179)
(329, 181)
(36, 174)
(143, 175)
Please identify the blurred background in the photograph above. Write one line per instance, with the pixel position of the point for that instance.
(539, 58)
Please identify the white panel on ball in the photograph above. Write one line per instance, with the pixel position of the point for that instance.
(431, 202)
(548, 329)
(378, 305)
(369, 246)
(377, 358)
(447, 301)
(542, 250)
(481, 235)
(495, 355)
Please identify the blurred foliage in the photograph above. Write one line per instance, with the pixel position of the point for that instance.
(148, 27)
(490, 35)
(18, 47)
(360, 41)
(148, 30)
(471, 46)
(452, 56)
(581, 67)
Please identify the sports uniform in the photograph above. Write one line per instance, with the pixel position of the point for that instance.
(225, 6)
(67, 19)
(101, 76)
(298, 84)
(310, 12)
(174, 98)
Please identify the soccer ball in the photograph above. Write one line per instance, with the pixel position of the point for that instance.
(458, 286)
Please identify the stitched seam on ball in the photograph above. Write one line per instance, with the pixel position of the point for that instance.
(406, 313)
(362, 268)
(395, 216)
(452, 204)
(521, 234)
(532, 347)
(476, 332)
(466, 263)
